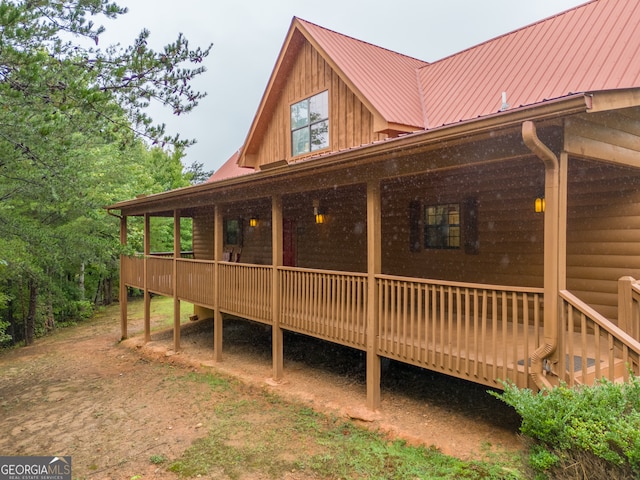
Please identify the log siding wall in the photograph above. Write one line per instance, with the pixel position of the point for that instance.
(603, 232)
(510, 233)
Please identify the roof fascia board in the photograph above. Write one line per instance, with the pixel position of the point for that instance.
(410, 143)
(276, 79)
(614, 100)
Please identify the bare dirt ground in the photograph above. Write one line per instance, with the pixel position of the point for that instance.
(110, 405)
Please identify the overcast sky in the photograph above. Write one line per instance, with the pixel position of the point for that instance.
(247, 36)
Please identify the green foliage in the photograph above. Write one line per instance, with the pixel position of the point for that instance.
(599, 425)
(74, 137)
(157, 459)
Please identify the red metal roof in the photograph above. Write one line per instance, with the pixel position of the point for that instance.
(387, 79)
(230, 169)
(592, 47)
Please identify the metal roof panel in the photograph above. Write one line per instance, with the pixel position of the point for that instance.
(588, 48)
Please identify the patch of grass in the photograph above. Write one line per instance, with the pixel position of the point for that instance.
(259, 432)
(217, 382)
(157, 459)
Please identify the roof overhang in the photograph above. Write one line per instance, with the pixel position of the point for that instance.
(408, 144)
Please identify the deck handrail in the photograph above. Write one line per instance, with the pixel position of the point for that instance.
(593, 347)
(447, 283)
(324, 272)
(326, 304)
(484, 333)
(160, 275)
(601, 320)
(245, 290)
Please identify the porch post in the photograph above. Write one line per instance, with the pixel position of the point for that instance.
(625, 305)
(561, 252)
(217, 256)
(374, 267)
(123, 286)
(562, 220)
(147, 295)
(277, 341)
(176, 301)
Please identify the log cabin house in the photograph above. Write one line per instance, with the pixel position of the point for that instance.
(478, 216)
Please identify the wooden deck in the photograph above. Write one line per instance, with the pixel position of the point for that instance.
(482, 333)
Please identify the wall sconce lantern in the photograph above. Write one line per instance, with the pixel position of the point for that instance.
(539, 204)
(317, 212)
(253, 222)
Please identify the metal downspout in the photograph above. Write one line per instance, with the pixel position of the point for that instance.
(539, 368)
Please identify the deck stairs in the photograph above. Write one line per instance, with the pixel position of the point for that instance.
(595, 347)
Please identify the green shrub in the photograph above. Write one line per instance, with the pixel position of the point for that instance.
(579, 432)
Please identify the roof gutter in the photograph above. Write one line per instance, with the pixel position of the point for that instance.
(539, 359)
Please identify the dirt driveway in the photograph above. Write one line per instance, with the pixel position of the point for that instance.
(110, 405)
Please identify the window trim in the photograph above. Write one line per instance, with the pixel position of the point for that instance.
(441, 237)
(308, 126)
(468, 225)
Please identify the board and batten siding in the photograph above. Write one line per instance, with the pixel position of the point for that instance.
(603, 231)
(350, 122)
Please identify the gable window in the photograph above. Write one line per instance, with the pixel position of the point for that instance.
(310, 124)
(442, 226)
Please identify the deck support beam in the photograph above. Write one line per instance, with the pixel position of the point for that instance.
(176, 301)
(277, 342)
(217, 257)
(123, 287)
(147, 295)
(374, 267)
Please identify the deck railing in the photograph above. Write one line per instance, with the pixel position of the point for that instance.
(483, 333)
(132, 271)
(629, 306)
(325, 304)
(593, 346)
(478, 332)
(245, 290)
(160, 275)
(196, 282)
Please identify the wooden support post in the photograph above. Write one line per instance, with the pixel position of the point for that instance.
(217, 256)
(374, 267)
(123, 286)
(147, 295)
(277, 342)
(625, 305)
(176, 301)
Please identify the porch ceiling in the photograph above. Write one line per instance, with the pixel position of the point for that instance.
(488, 139)
(609, 136)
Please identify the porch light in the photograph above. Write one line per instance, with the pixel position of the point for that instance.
(539, 204)
(253, 222)
(317, 212)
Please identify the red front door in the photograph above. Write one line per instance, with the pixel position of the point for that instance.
(288, 243)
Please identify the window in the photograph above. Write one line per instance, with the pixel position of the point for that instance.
(310, 124)
(233, 232)
(442, 226)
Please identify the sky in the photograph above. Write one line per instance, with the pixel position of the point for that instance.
(247, 36)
